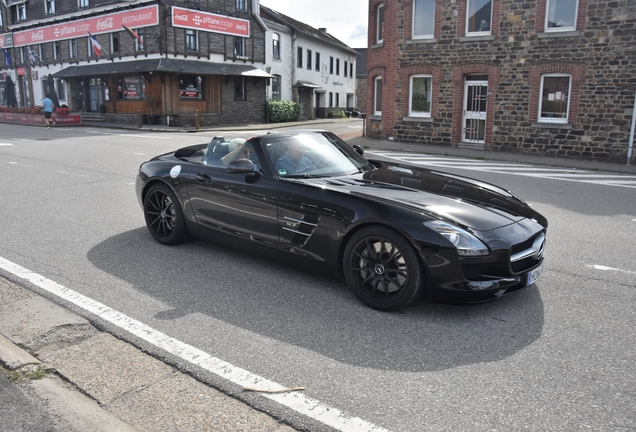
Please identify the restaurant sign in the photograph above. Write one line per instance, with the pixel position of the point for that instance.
(134, 18)
(209, 22)
(6, 40)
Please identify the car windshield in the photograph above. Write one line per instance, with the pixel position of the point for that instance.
(313, 154)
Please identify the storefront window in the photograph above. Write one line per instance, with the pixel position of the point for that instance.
(190, 87)
(131, 88)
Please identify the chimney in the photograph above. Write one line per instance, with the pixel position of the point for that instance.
(323, 29)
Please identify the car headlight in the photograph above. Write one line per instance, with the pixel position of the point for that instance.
(465, 243)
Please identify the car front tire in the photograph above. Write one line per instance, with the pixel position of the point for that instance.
(164, 217)
(382, 269)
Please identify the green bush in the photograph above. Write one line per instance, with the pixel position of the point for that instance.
(336, 114)
(283, 111)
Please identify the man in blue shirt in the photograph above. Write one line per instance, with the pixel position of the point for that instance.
(47, 106)
(294, 162)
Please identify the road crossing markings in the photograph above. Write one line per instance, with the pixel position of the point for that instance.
(524, 170)
(298, 402)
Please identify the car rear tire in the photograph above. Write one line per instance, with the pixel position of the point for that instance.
(382, 269)
(164, 217)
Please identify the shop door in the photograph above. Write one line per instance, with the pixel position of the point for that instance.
(95, 94)
(475, 105)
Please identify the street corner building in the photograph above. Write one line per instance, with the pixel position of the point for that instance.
(550, 77)
(170, 61)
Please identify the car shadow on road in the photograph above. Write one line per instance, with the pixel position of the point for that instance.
(293, 301)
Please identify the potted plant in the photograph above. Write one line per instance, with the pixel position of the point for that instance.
(152, 102)
(103, 108)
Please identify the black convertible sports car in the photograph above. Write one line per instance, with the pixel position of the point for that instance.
(394, 231)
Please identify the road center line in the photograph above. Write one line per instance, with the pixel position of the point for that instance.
(297, 401)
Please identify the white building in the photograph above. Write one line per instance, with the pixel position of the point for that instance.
(309, 66)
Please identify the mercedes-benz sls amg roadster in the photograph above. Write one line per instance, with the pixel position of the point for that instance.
(394, 232)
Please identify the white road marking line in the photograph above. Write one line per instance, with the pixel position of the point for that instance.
(72, 174)
(6, 144)
(18, 163)
(605, 268)
(305, 405)
(132, 153)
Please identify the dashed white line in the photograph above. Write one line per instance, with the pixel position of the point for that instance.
(605, 268)
(6, 144)
(300, 403)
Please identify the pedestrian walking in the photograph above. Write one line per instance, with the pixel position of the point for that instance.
(47, 106)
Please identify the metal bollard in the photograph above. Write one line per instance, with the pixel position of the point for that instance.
(139, 119)
(196, 119)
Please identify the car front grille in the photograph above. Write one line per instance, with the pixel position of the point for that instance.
(525, 255)
(472, 271)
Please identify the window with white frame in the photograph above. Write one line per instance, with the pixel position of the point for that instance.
(61, 89)
(276, 87)
(82, 4)
(554, 103)
(317, 62)
(72, 48)
(478, 17)
(331, 65)
(377, 96)
(276, 46)
(337, 99)
(561, 15)
(346, 68)
(420, 95)
(57, 50)
(423, 19)
(20, 12)
(337, 66)
(114, 42)
(49, 7)
(239, 46)
(241, 4)
(330, 99)
(191, 40)
(139, 45)
(299, 57)
(351, 70)
(41, 52)
(379, 23)
(309, 59)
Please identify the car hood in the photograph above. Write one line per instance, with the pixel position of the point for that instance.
(477, 205)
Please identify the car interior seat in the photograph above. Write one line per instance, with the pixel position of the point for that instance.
(215, 150)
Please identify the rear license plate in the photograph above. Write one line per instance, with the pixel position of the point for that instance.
(533, 276)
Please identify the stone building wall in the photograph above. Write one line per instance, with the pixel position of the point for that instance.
(600, 56)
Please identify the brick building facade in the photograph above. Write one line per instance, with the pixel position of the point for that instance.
(551, 77)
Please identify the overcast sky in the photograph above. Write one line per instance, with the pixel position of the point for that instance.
(344, 19)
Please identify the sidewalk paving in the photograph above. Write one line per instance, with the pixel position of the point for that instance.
(96, 382)
(387, 145)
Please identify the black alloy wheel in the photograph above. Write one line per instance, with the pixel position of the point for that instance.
(164, 217)
(382, 269)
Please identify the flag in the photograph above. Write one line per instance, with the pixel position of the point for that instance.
(7, 57)
(133, 34)
(96, 46)
(32, 55)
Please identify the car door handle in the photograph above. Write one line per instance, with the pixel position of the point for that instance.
(204, 178)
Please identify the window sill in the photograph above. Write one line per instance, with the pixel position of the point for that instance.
(375, 117)
(563, 34)
(421, 41)
(377, 45)
(418, 119)
(546, 125)
(477, 38)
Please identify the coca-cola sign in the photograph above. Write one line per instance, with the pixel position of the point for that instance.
(205, 21)
(135, 18)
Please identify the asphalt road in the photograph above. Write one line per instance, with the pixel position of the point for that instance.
(559, 355)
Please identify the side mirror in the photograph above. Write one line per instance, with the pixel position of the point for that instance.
(240, 166)
(358, 149)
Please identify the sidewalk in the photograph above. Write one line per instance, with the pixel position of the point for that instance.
(371, 144)
(96, 382)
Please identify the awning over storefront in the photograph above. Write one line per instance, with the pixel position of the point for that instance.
(306, 84)
(160, 65)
